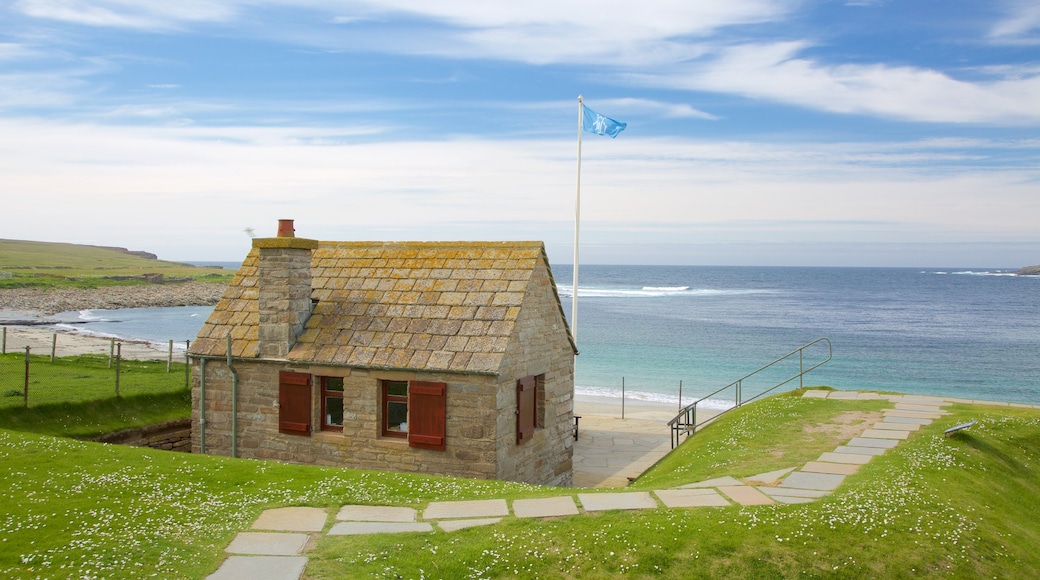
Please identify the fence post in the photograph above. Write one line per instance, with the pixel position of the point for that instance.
(111, 350)
(622, 397)
(25, 391)
(54, 344)
(187, 364)
(119, 353)
(169, 357)
(680, 394)
(3, 342)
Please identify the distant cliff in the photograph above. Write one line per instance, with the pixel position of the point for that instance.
(1029, 271)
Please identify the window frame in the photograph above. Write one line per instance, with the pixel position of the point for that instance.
(385, 398)
(324, 394)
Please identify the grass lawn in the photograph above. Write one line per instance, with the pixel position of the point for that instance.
(963, 506)
(73, 379)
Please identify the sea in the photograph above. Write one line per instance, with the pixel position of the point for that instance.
(674, 334)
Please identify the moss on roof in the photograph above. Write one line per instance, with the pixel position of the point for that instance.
(445, 306)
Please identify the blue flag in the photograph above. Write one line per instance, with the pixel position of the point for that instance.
(593, 122)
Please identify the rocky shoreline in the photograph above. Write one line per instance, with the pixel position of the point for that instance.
(47, 302)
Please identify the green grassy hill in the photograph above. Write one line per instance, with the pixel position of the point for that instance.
(46, 265)
(934, 507)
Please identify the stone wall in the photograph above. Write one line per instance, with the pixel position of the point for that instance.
(470, 437)
(538, 347)
(168, 436)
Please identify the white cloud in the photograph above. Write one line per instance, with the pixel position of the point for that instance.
(171, 187)
(776, 72)
(142, 14)
(1020, 26)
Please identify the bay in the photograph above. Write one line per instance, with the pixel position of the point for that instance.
(970, 332)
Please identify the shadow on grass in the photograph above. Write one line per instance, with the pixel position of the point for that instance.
(91, 419)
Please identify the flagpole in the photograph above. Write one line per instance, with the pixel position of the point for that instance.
(577, 220)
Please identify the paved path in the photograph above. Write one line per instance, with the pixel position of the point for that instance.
(280, 536)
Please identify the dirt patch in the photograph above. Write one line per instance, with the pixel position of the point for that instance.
(846, 425)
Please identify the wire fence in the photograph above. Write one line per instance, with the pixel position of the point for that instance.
(72, 369)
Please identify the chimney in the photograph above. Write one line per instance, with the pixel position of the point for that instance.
(283, 288)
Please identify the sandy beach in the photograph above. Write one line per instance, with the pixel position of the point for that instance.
(40, 339)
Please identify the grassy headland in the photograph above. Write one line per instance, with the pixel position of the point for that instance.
(963, 506)
(28, 264)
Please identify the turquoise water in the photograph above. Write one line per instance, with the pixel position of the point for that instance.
(972, 333)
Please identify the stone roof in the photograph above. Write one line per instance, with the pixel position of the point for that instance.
(445, 306)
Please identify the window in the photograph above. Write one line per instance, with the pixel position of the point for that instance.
(294, 403)
(332, 403)
(417, 411)
(395, 408)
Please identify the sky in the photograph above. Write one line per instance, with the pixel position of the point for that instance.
(760, 132)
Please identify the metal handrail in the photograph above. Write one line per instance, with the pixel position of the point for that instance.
(686, 420)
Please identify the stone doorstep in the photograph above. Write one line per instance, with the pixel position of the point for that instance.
(292, 519)
(268, 543)
(894, 426)
(480, 508)
(745, 495)
(882, 434)
(266, 567)
(638, 500)
(836, 468)
(365, 528)
(455, 525)
(683, 498)
(375, 513)
(849, 458)
(544, 507)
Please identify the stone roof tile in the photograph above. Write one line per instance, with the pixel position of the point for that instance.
(412, 305)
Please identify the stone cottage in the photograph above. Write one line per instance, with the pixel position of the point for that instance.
(448, 358)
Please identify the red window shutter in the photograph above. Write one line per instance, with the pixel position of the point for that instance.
(427, 413)
(294, 403)
(526, 388)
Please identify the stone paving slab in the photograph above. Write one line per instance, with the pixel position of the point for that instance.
(266, 567)
(926, 400)
(454, 525)
(545, 507)
(745, 495)
(868, 396)
(853, 450)
(850, 458)
(793, 499)
(846, 395)
(376, 513)
(907, 420)
(681, 498)
(824, 467)
(480, 508)
(364, 528)
(292, 519)
(817, 481)
(713, 482)
(915, 414)
(871, 442)
(768, 478)
(267, 543)
(793, 492)
(921, 408)
(894, 426)
(637, 500)
(881, 434)
(815, 394)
